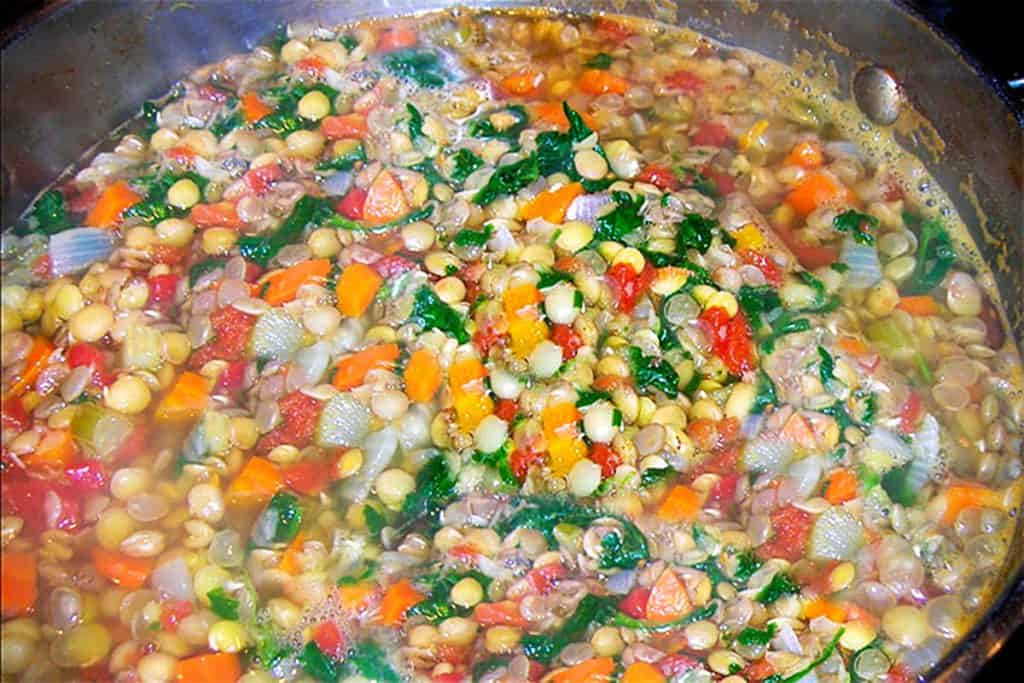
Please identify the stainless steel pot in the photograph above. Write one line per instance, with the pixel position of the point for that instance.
(78, 68)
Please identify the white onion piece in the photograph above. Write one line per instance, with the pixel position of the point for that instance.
(767, 455)
(786, 640)
(344, 422)
(928, 461)
(752, 425)
(379, 450)
(339, 183)
(310, 365)
(837, 535)
(276, 336)
(586, 207)
(862, 259)
(838, 149)
(621, 583)
(210, 170)
(502, 238)
(226, 549)
(414, 429)
(76, 249)
(885, 442)
(172, 580)
(805, 475)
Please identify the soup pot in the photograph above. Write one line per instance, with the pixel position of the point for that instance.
(76, 69)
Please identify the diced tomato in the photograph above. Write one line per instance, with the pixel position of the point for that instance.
(449, 677)
(900, 674)
(329, 638)
(628, 285)
(222, 214)
(506, 409)
(299, 416)
(685, 82)
(308, 478)
(41, 266)
(182, 155)
(677, 664)
(486, 337)
(635, 603)
(723, 494)
(134, 445)
(396, 38)
(451, 653)
(730, 339)
(260, 179)
(910, 413)
(82, 354)
(791, 528)
(521, 460)
(566, 337)
(608, 459)
(87, 476)
(544, 579)
(162, 288)
(212, 94)
(167, 255)
(15, 418)
(393, 265)
(313, 65)
(173, 611)
(351, 207)
(763, 262)
(724, 182)
(504, 613)
(230, 379)
(232, 329)
(758, 671)
(662, 177)
(613, 29)
(341, 127)
(711, 134)
(41, 504)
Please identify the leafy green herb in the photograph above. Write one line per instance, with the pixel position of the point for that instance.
(285, 118)
(202, 268)
(841, 415)
(435, 488)
(698, 275)
(747, 564)
(51, 213)
(653, 372)
(899, 484)
(654, 475)
(437, 606)
(756, 301)
(222, 604)
(625, 621)
(591, 609)
(623, 220)
(415, 123)
(508, 179)
(823, 303)
(268, 649)
(935, 255)
(623, 551)
(765, 395)
(366, 573)
(859, 225)
(279, 523)
(368, 659)
(827, 366)
(602, 60)
(695, 180)
(473, 238)
(667, 337)
(430, 313)
(870, 409)
(423, 67)
(695, 232)
(550, 278)
(751, 636)
(349, 41)
(309, 211)
(344, 161)
(227, 123)
(375, 521)
(337, 221)
(498, 460)
(921, 365)
(586, 397)
(465, 164)
(785, 324)
(818, 661)
(483, 127)
(317, 664)
(839, 267)
(555, 150)
(154, 208)
(780, 585)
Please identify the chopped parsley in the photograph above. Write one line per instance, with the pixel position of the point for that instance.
(650, 372)
(858, 225)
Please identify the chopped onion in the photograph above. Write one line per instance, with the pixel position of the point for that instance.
(752, 425)
(621, 583)
(276, 336)
(172, 579)
(379, 450)
(862, 259)
(767, 455)
(310, 365)
(344, 422)
(888, 445)
(210, 170)
(226, 549)
(77, 249)
(837, 535)
(586, 207)
(338, 183)
(786, 640)
(805, 475)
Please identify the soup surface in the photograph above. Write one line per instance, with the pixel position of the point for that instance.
(495, 348)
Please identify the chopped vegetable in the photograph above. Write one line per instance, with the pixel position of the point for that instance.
(433, 314)
(351, 371)
(508, 180)
(18, 584)
(356, 289)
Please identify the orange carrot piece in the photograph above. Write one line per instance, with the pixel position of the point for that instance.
(385, 200)
(345, 126)
(186, 400)
(397, 600)
(520, 299)
(642, 672)
(282, 285)
(554, 113)
(555, 418)
(123, 570)
(396, 38)
(220, 214)
(422, 376)
(820, 607)
(522, 82)
(817, 189)
(355, 596)
(601, 82)
(465, 376)
(668, 600)
(854, 346)
(923, 305)
(503, 613)
(254, 108)
(841, 486)
(356, 289)
(798, 430)
(111, 204)
(552, 204)
(220, 667)
(352, 370)
(18, 584)
(37, 359)
(258, 481)
(289, 558)
(962, 496)
(681, 503)
(55, 451)
(597, 670)
(805, 154)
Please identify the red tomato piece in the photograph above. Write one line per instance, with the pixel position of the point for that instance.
(83, 354)
(221, 214)
(311, 65)
(711, 134)
(506, 409)
(723, 493)
(521, 460)
(730, 339)
(566, 337)
(351, 207)
(232, 377)
(685, 82)
(393, 265)
(608, 459)
(329, 638)
(262, 178)
(87, 476)
(162, 288)
(910, 413)
(299, 415)
(308, 478)
(396, 38)
(613, 29)
(724, 182)
(347, 126)
(545, 578)
(15, 417)
(628, 285)
(173, 611)
(661, 177)
(635, 603)
(791, 528)
(504, 613)
(763, 262)
(677, 664)
(167, 255)
(232, 329)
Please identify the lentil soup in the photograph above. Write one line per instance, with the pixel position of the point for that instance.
(496, 347)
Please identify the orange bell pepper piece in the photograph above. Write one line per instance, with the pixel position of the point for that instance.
(601, 82)
(681, 503)
(186, 400)
(254, 108)
(220, 667)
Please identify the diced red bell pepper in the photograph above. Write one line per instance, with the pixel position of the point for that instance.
(134, 445)
(329, 638)
(791, 529)
(173, 611)
(41, 504)
(910, 413)
(711, 134)
(763, 262)
(628, 285)
(351, 206)
(162, 289)
(661, 177)
(506, 409)
(635, 603)
(608, 459)
(41, 266)
(730, 339)
(167, 255)
(544, 579)
(685, 82)
(566, 337)
(260, 179)
(15, 418)
(231, 379)
(308, 478)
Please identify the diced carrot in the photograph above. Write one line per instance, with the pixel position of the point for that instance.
(290, 557)
(961, 496)
(123, 570)
(504, 613)
(466, 376)
(38, 357)
(220, 667)
(221, 214)
(254, 108)
(554, 113)
(345, 126)
(108, 208)
(397, 600)
(186, 400)
(356, 596)
(422, 376)
(352, 369)
(806, 154)
(520, 299)
(597, 670)
(313, 65)
(681, 503)
(282, 285)
(601, 82)
(854, 346)
(357, 286)
(841, 486)
(798, 430)
(668, 600)
(523, 82)
(642, 672)
(817, 189)
(18, 584)
(820, 607)
(55, 451)
(552, 204)
(385, 200)
(555, 418)
(256, 484)
(396, 38)
(923, 305)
